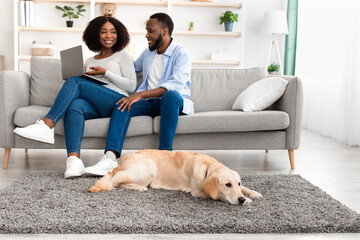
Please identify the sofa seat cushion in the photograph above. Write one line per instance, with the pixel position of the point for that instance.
(141, 125)
(229, 121)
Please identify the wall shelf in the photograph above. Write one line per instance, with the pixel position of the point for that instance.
(208, 33)
(50, 29)
(207, 4)
(190, 33)
(135, 2)
(195, 61)
(64, 1)
(215, 62)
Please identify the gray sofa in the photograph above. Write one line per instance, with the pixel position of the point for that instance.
(214, 125)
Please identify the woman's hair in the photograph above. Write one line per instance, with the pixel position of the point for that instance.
(92, 32)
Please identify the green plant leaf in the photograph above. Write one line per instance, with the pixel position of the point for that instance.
(59, 8)
(228, 16)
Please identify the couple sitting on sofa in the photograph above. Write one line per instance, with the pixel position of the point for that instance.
(164, 91)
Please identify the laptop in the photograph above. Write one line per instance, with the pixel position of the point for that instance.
(72, 64)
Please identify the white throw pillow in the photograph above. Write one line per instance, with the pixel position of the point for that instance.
(261, 94)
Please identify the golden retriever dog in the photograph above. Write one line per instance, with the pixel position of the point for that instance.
(199, 174)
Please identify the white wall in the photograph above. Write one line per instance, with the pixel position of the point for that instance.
(256, 44)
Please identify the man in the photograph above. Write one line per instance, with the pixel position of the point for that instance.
(165, 91)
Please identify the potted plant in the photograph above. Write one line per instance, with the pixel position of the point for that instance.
(228, 18)
(273, 68)
(191, 26)
(70, 13)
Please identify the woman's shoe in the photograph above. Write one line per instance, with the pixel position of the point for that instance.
(74, 167)
(38, 131)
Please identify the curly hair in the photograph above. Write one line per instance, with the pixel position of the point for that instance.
(92, 33)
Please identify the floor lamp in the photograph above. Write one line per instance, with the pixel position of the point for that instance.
(274, 23)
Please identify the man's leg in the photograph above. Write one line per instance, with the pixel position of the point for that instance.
(171, 107)
(119, 123)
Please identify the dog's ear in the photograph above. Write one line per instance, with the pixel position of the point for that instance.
(200, 170)
(211, 186)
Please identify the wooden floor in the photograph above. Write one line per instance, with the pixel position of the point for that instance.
(328, 164)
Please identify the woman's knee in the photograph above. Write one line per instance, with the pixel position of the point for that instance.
(73, 80)
(77, 105)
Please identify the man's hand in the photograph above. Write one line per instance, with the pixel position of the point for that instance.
(128, 101)
(97, 71)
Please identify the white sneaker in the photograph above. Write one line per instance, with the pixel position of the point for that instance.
(101, 168)
(74, 167)
(38, 131)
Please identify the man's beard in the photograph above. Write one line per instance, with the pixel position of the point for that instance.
(156, 44)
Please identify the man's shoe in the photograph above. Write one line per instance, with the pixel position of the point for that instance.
(101, 168)
(38, 131)
(74, 167)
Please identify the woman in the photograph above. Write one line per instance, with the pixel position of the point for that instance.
(80, 99)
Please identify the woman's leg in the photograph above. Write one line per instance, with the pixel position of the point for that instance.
(101, 98)
(77, 87)
(78, 111)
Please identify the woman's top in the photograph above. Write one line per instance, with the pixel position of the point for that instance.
(120, 74)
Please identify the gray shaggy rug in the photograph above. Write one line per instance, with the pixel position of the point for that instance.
(47, 203)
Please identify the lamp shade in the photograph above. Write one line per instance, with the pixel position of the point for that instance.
(275, 22)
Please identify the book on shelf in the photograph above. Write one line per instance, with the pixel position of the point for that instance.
(26, 13)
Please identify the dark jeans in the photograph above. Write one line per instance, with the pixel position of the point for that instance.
(169, 107)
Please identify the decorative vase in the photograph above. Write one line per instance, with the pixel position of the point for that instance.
(69, 24)
(228, 26)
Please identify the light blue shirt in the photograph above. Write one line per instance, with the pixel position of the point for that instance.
(177, 72)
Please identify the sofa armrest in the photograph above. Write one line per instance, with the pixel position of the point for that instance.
(292, 103)
(14, 93)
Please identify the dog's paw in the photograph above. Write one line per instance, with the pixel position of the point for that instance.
(255, 194)
(100, 186)
(142, 188)
(247, 201)
(94, 189)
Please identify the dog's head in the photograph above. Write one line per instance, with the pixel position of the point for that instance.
(220, 182)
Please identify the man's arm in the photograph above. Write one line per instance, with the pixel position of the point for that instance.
(128, 101)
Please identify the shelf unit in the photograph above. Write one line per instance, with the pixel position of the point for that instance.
(170, 4)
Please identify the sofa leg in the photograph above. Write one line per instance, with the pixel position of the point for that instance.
(6, 157)
(26, 150)
(292, 158)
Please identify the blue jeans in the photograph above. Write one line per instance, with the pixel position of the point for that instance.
(169, 107)
(79, 100)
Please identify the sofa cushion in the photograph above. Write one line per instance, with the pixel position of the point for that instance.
(229, 121)
(141, 125)
(217, 89)
(45, 81)
(261, 94)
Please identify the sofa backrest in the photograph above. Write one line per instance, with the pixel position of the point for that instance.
(45, 80)
(211, 89)
(217, 89)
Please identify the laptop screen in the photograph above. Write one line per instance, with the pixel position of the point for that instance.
(72, 63)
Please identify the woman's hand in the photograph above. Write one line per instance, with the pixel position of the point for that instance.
(128, 101)
(97, 71)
